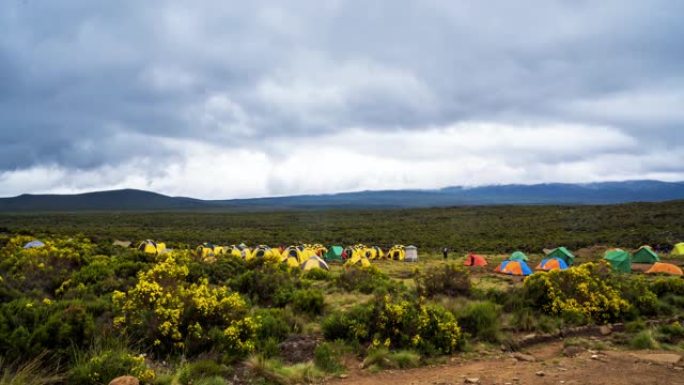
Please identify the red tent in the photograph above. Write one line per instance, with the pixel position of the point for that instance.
(475, 260)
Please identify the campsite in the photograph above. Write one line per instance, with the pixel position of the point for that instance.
(174, 298)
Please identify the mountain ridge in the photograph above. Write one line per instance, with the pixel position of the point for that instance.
(508, 194)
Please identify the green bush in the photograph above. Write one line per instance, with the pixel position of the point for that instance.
(584, 293)
(192, 373)
(644, 340)
(382, 358)
(481, 319)
(671, 333)
(100, 366)
(447, 279)
(267, 284)
(328, 357)
(309, 301)
(317, 275)
(366, 280)
(398, 323)
(667, 285)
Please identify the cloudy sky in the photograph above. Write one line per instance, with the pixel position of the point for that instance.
(226, 99)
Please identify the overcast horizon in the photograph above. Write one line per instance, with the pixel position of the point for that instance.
(222, 99)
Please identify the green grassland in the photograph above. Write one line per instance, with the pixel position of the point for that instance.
(82, 311)
(487, 229)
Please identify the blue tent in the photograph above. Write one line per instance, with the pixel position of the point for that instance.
(33, 244)
(514, 268)
(552, 264)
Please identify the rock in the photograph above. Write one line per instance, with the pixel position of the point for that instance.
(523, 357)
(472, 380)
(540, 373)
(660, 358)
(605, 330)
(572, 351)
(343, 375)
(594, 357)
(125, 380)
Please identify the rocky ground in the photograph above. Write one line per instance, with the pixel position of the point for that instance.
(549, 363)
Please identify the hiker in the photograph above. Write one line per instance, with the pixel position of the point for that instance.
(445, 252)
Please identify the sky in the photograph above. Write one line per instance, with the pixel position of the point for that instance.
(233, 99)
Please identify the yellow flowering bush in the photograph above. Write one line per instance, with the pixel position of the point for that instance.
(395, 322)
(171, 314)
(581, 293)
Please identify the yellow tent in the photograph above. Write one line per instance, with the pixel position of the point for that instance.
(206, 250)
(267, 253)
(678, 250)
(397, 253)
(314, 263)
(358, 260)
(151, 247)
(293, 252)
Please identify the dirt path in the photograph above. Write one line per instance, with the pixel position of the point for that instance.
(609, 368)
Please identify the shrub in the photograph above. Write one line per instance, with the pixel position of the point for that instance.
(397, 322)
(168, 314)
(309, 301)
(366, 280)
(328, 357)
(481, 319)
(100, 366)
(585, 292)
(192, 373)
(274, 371)
(667, 285)
(671, 333)
(447, 279)
(317, 275)
(644, 340)
(267, 284)
(382, 358)
(32, 372)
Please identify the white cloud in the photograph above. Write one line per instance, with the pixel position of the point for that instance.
(461, 154)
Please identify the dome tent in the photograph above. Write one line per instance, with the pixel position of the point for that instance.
(475, 260)
(678, 250)
(549, 264)
(619, 260)
(334, 253)
(562, 253)
(314, 262)
(665, 268)
(645, 254)
(518, 256)
(509, 267)
(34, 244)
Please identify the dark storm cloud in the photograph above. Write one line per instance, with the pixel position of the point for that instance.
(88, 84)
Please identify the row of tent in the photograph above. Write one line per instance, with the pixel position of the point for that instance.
(561, 259)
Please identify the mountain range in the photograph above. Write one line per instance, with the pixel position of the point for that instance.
(515, 194)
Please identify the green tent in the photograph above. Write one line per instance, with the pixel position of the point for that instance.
(334, 253)
(562, 253)
(619, 259)
(518, 256)
(645, 254)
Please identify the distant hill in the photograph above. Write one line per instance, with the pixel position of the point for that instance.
(552, 193)
(99, 201)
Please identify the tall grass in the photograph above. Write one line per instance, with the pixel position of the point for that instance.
(30, 373)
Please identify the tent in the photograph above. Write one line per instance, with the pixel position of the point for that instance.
(291, 261)
(358, 259)
(562, 253)
(513, 268)
(292, 252)
(411, 254)
(549, 264)
(121, 243)
(678, 250)
(475, 260)
(397, 253)
(314, 262)
(665, 268)
(205, 250)
(34, 244)
(334, 253)
(619, 259)
(152, 247)
(518, 256)
(645, 254)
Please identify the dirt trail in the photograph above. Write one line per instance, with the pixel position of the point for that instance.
(608, 368)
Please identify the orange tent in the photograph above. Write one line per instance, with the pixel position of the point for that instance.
(475, 260)
(664, 268)
(513, 268)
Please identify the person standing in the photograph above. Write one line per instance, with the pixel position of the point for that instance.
(445, 252)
